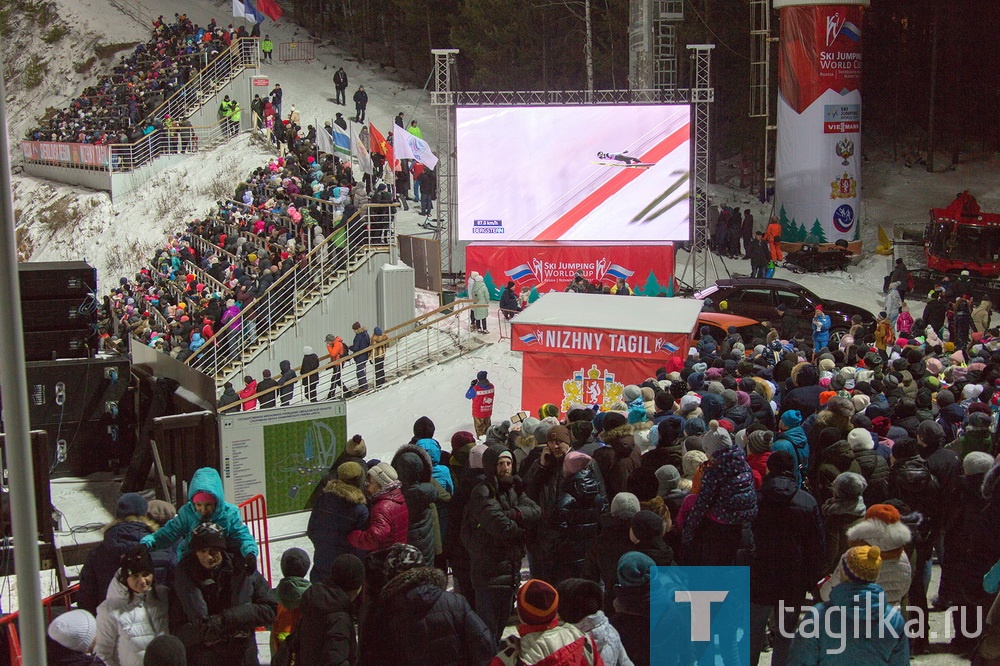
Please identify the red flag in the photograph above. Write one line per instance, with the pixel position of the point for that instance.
(380, 145)
(269, 8)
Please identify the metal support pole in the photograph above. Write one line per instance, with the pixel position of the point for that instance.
(443, 100)
(31, 622)
(702, 95)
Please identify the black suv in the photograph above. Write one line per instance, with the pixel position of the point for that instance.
(759, 299)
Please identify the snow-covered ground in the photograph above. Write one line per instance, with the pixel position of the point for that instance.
(119, 237)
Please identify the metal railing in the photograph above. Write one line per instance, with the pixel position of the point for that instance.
(205, 247)
(284, 303)
(241, 54)
(203, 276)
(126, 157)
(414, 345)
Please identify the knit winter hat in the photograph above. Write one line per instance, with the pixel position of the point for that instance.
(849, 486)
(972, 391)
(716, 438)
(347, 572)
(689, 403)
(695, 426)
(295, 562)
(642, 483)
(166, 650)
(646, 525)
(204, 497)
(885, 513)
(934, 366)
(860, 440)
(560, 433)
(356, 447)
(624, 505)
(861, 402)
(136, 560)
(791, 418)
(574, 462)
(476, 456)
(423, 428)
(307, 350)
(667, 477)
(977, 462)
(631, 392)
(528, 425)
(537, 602)
(401, 558)
(691, 461)
(352, 473)
(635, 569)
(160, 511)
(862, 564)
(759, 441)
(207, 535)
(614, 420)
(75, 630)
(131, 504)
(383, 474)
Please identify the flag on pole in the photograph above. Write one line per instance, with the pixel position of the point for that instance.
(247, 10)
(341, 142)
(360, 152)
(270, 8)
(399, 145)
(324, 141)
(419, 149)
(380, 145)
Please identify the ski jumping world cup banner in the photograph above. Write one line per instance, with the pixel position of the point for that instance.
(544, 267)
(819, 121)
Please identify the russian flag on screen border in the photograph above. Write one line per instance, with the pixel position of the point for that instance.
(246, 9)
(850, 31)
(519, 273)
(617, 271)
(529, 339)
(668, 347)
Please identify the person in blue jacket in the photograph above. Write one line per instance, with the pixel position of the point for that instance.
(206, 504)
(856, 626)
(820, 330)
(792, 439)
(440, 472)
(361, 342)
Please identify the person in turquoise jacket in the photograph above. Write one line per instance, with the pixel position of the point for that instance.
(206, 504)
(856, 626)
(440, 472)
(792, 438)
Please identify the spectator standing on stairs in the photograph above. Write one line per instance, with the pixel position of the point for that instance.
(362, 341)
(310, 362)
(276, 100)
(335, 348)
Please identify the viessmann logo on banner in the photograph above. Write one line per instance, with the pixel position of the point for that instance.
(607, 342)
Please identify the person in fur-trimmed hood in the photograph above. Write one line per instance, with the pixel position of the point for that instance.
(340, 509)
(621, 455)
(415, 621)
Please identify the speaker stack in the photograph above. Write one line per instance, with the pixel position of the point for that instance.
(59, 310)
(81, 401)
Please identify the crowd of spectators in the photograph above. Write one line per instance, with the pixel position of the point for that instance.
(118, 108)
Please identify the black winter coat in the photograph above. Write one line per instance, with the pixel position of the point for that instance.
(788, 529)
(964, 564)
(325, 635)
(287, 381)
(413, 465)
(601, 563)
(242, 602)
(495, 527)
(467, 479)
(102, 560)
(670, 454)
(911, 482)
(338, 511)
(569, 528)
(416, 622)
(876, 472)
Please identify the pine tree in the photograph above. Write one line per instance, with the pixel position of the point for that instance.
(492, 287)
(533, 295)
(801, 233)
(817, 234)
(651, 288)
(787, 227)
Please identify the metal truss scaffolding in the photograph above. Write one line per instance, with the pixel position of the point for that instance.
(702, 95)
(443, 101)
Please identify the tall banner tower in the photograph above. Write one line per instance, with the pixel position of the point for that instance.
(818, 160)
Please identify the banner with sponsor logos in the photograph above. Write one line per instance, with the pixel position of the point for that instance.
(648, 268)
(819, 121)
(70, 154)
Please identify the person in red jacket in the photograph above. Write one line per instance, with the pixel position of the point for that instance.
(249, 389)
(388, 517)
(481, 394)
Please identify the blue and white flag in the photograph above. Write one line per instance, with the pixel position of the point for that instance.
(529, 339)
(246, 9)
(617, 271)
(519, 273)
(409, 147)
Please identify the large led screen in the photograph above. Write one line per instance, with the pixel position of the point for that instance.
(574, 173)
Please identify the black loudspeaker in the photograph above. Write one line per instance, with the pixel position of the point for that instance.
(50, 345)
(77, 390)
(79, 448)
(64, 314)
(48, 280)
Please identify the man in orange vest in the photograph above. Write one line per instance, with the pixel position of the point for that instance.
(773, 237)
(335, 348)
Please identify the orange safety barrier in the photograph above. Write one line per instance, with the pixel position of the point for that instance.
(254, 514)
(9, 622)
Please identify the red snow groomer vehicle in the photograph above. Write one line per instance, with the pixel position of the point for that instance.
(963, 238)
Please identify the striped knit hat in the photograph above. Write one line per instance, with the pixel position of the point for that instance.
(537, 602)
(862, 564)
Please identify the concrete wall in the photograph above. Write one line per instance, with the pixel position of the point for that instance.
(96, 180)
(357, 301)
(130, 181)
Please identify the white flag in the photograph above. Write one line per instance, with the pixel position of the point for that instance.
(400, 147)
(417, 148)
(360, 152)
(324, 141)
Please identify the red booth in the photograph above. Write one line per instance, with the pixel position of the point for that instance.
(585, 348)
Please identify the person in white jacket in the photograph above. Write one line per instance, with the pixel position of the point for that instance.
(133, 614)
